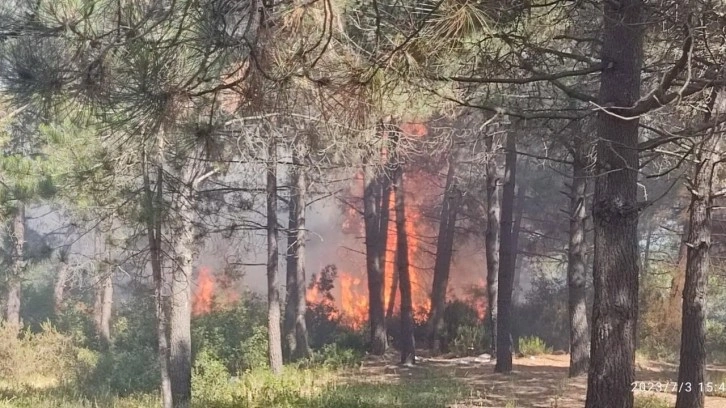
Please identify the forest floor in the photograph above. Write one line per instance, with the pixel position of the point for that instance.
(535, 382)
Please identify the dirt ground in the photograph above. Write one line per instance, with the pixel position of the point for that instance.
(535, 381)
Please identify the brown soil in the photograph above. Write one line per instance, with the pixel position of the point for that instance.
(535, 382)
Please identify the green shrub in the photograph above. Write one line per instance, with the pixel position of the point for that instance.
(650, 401)
(463, 331)
(210, 379)
(533, 346)
(470, 340)
(253, 350)
(236, 336)
(29, 358)
(334, 357)
(124, 372)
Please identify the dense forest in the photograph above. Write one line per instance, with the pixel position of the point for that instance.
(368, 203)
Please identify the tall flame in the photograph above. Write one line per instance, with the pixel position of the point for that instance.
(202, 302)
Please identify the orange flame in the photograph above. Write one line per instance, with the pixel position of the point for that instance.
(202, 302)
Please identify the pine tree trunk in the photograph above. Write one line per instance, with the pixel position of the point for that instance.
(692, 367)
(153, 203)
(296, 333)
(180, 357)
(376, 198)
(517, 227)
(615, 213)
(492, 242)
(508, 258)
(576, 273)
(103, 306)
(273, 284)
(12, 313)
(444, 254)
(408, 345)
(392, 294)
(59, 287)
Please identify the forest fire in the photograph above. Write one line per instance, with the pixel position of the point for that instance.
(352, 288)
(202, 302)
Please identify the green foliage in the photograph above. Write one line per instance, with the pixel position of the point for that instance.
(47, 356)
(334, 356)
(253, 350)
(533, 346)
(470, 340)
(237, 336)
(651, 401)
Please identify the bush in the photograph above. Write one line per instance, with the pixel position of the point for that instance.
(253, 351)
(463, 332)
(237, 336)
(533, 346)
(470, 340)
(650, 401)
(29, 358)
(334, 357)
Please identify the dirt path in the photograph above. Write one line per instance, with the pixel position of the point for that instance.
(539, 382)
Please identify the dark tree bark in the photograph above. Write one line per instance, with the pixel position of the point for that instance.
(296, 333)
(444, 254)
(508, 259)
(59, 286)
(104, 305)
(180, 357)
(517, 227)
(17, 242)
(273, 283)
(153, 202)
(519, 203)
(576, 274)
(408, 344)
(492, 242)
(376, 198)
(692, 367)
(615, 212)
(392, 294)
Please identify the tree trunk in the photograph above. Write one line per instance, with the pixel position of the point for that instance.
(408, 345)
(12, 313)
(492, 242)
(508, 258)
(444, 254)
(376, 197)
(615, 212)
(576, 274)
(180, 358)
(273, 284)
(296, 333)
(692, 368)
(517, 227)
(153, 203)
(59, 287)
(392, 294)
(104, 305)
